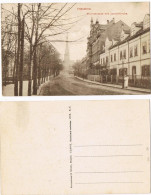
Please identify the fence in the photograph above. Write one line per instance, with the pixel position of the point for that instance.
(11, 80)
(140, 81)
(134, 81)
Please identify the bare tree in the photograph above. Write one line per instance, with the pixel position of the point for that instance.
(43, 19)
(8, 42)
(36, 23)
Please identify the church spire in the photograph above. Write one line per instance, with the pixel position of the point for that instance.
(66, 55)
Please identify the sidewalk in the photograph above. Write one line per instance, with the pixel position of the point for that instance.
(8, 90)
(142, 90)
(41, 86)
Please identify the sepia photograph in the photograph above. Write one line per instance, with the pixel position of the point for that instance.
(64, 49)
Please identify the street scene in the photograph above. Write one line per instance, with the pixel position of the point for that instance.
(59, 49)
(70, 85)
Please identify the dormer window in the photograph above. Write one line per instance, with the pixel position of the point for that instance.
(135, 27)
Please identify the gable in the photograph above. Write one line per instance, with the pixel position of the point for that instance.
(114, 31)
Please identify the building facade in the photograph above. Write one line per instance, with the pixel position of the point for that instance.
(130, 55)
(99, 33)
(116, 50)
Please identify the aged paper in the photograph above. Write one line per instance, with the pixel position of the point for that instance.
(75, 147)
(75, 48)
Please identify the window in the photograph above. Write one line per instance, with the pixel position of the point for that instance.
(111, 58)
(115, 57)
(144, 47)
(149, 46)
(133, 71)
(106, 60)
(146, 70)
(135, 51)
(101, 60)
(124, 55)
(131, 52)
(120, 55)
(113, 71)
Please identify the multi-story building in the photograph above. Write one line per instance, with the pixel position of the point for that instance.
(115, 50)
(130, 54)
(99, 34)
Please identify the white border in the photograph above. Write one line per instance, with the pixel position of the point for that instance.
(66, 98)
(60, 1)
(78, 97)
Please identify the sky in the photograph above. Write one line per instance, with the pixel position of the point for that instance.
(128, 12)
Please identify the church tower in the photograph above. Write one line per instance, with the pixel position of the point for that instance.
(66, 55)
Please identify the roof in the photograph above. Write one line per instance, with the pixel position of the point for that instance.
(140, 32)
(126, 31)
(119, 43)
(139, 24)
(114, 30)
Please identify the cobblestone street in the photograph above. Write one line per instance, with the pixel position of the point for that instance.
(69, 85)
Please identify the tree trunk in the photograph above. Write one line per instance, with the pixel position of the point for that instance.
(21, 60)
(18, 54)
(39, 74)
(14, 69)
(35, 72)
(39, 68)
(30, 71)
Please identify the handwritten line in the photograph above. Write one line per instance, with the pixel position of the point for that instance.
(112, 182)
(108, 145)
(108, 156)
(112, 172)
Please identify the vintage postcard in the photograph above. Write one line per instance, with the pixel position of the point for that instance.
(75, 147)
(62, 49)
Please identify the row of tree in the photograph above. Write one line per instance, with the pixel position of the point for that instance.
(26, 32)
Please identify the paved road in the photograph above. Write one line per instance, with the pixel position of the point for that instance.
(69, 85)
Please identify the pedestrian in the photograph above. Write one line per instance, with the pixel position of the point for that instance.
(126, 81)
